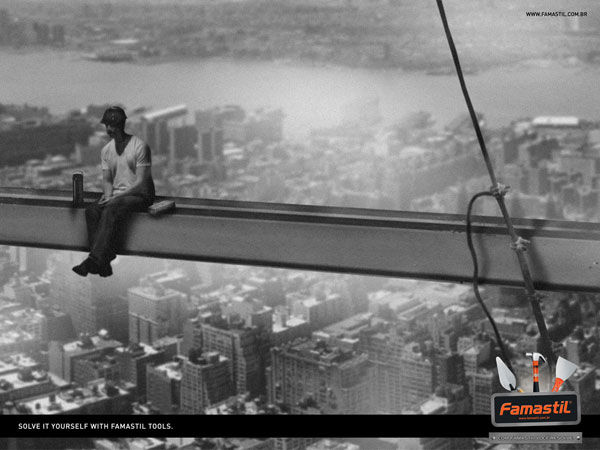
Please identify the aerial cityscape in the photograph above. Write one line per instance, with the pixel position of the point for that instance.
(180, 337)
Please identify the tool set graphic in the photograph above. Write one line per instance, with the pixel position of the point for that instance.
(564, 369)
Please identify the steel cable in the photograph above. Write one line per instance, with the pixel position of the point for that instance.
(517, 242)
(505, 355)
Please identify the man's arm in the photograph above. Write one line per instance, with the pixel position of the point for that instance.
(107, 186)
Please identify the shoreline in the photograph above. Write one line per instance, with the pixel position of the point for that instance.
(312, 94)
(434, 71)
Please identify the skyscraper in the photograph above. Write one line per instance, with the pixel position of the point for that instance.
(210, 136)
(155, 312)
(320, 311)
(449, 369)
(155, 126)
(482, 385)
(163, 386)
(62, 356)
(311, 376)
(96, 366)
(583, 382)
(181, 142)
(251, 311)
(245, 347)
(402, 375)
(205, 381)
(93, 303)
(33, 260)
(133, 361)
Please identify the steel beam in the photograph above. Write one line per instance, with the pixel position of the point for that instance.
(563, 255)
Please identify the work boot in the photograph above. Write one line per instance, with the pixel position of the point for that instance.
(81, 270)
(105, 271)
(87, 266)
(98, 268)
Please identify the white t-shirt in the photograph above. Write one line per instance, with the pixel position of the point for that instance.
(123, 167)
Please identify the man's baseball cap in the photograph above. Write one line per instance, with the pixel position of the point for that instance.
(115, 115)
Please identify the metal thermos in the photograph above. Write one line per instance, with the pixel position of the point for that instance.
(77, 190)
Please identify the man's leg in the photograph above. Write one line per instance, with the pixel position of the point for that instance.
(112, 222)
(93, 213)
(92, 219)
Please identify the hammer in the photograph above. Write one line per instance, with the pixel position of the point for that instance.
(536, 357)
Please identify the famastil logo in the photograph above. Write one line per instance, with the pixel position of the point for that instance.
(525, 410)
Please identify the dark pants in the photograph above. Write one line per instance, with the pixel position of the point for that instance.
(106, 224)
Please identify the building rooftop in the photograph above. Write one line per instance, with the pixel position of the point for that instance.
(207, 359)
(351, 326)
(555, 121)
(320, 352)
(101, 361)
(219, 322)
(309, 300)
(165, 341)
(454, 309)
(13, 381)
(155, 292)
(512, 320)
(166, 113)
(90, 343)
(7, 367)
(327, 444)
(14, 336)
(398, 301)
(16, 361)
(71, 399)
(166, 276)
(434, 405)
(256, 305)
(125, 41)
(138, 349)
(292, 322)
(233, 405)
(171, 369)
(22, 315)
(431, 292)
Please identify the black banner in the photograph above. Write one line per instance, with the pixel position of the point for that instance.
(93, 426)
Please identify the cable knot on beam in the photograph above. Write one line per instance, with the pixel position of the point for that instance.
(499, 190)
(520, 245)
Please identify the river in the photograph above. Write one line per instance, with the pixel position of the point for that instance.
(310, 96)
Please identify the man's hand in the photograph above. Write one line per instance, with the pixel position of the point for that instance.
(104, 199)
